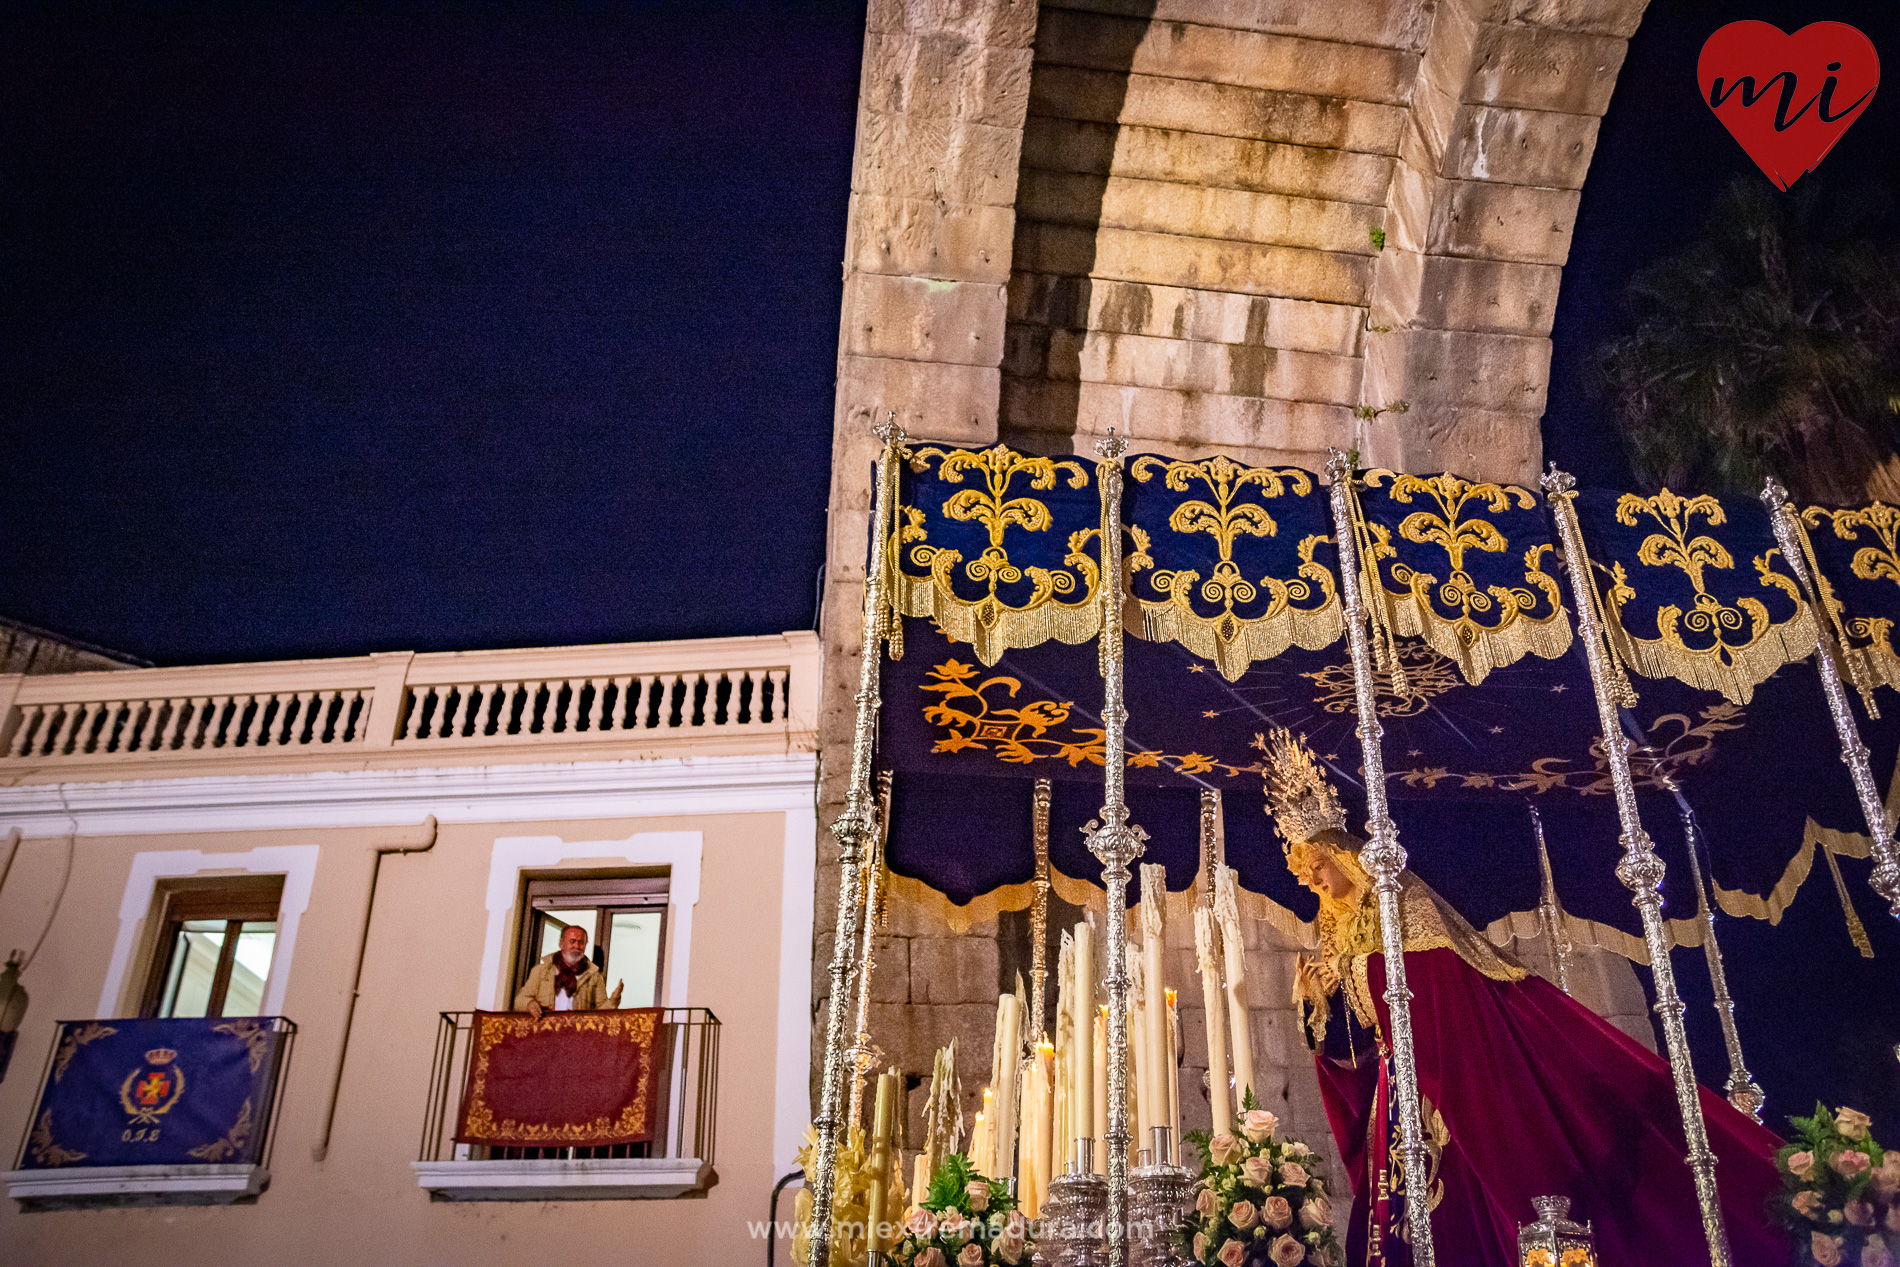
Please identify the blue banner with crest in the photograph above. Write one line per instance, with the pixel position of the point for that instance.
(172, 1092)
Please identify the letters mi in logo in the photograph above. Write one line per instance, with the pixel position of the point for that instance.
(151, 1089)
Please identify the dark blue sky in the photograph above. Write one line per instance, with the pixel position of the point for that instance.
(335, 330)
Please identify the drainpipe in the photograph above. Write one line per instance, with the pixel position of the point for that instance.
(413, 840)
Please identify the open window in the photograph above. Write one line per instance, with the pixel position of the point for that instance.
(624, 917)
(216, 939)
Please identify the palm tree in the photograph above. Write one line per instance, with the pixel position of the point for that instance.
(1770, 346)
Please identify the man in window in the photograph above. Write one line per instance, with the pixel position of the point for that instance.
(566, 981)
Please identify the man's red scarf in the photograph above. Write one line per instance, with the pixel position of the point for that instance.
(568, 980)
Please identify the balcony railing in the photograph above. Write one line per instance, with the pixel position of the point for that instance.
(733, 694)
(679, 1159)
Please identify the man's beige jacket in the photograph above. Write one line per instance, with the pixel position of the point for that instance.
(590, 992)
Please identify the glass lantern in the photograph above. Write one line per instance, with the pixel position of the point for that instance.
(1555, 1241)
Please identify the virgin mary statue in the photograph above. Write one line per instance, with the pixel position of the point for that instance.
(1524, 1092)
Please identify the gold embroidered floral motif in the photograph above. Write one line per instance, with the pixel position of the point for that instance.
(233, 1141)
(992, 623)
(1868, 639)
(1714, 645)
(1300, 611)
(255, 1037)
(1658, 764)
(45, 1151)
(1427, 676)
(69, 1046)
(1482, 627)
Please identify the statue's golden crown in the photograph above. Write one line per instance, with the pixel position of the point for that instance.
(1300, 799)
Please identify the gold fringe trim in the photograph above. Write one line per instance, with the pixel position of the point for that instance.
(1528, 926)
(1737, 676)
(1235, 643)
(990, 627)
(1476, 649)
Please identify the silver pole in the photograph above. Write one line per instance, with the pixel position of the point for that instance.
(1385, 859)
(864, 1054)
(1743, 1091)
(1550, 914)
(854, 830)
(1886, 877)
(1640, 870)
(1210, 840)
(1039, 913)
(1114, 840)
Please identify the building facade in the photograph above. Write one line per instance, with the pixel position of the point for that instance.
(364, 845)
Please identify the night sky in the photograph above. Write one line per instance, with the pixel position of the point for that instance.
(326, 331)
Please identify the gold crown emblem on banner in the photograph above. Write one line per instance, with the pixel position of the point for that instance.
(1302, 802)
(160, 1056)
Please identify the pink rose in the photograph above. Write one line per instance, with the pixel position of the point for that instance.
(1206, 1202)
(1807, 1203)
(1258, 1125)
(1859, 1213)
(1257, 1171)
(1285, 1251)
(954, 1226)
(972, 1256)
(922, 1224)
(1875, 1254)
(932, 1257)
(1225, 1149)
(1243, 1215)
(1853, 1123)
(1010, 1249)
(1893, 1218)
(1200, 1247)
(1233, 1253)
(1826, 1249)
(1016, 1225)
(1293, 1174)
(1317, 1212)
(1801, 1164)
(978, 1191)
(1850, 1164)
(1277, 1213)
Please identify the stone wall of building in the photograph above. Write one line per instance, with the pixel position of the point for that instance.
(1259, 227)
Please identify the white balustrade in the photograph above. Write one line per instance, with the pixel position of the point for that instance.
(733, 701)
(279, 720)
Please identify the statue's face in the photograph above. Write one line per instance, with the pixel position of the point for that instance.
(1323, 874)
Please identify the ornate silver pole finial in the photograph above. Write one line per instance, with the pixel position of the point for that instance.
(1383, 856)
(1640, 870)
(1550, 911)
(1039, 913)
(1886, 877)
(1743, 1091)
(1116, 842)
(1110, 448)
(1212, 854)
(854, 830)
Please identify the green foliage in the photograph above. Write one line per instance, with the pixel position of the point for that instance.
(1366, 413)
(1770, 346)
(1200, 1140)
(947, 1188)
(1247, 1103)
(1378, 238)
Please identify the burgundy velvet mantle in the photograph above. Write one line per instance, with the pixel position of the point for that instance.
(1543, 1097)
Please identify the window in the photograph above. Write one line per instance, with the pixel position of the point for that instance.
(624, 917)
(213, 952)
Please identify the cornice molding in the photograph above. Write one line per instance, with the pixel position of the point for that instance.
(377, 798)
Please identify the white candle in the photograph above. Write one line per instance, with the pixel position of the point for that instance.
(1155, 1056)
(1004, 1063)
(1065, 1045)
(1140, 1116)
(1174, 1073)
(1100, 1028)
(1227, 911)
(1216, 1015)
(1082, 1022)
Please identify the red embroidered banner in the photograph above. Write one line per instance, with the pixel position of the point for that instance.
(570, 1078)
